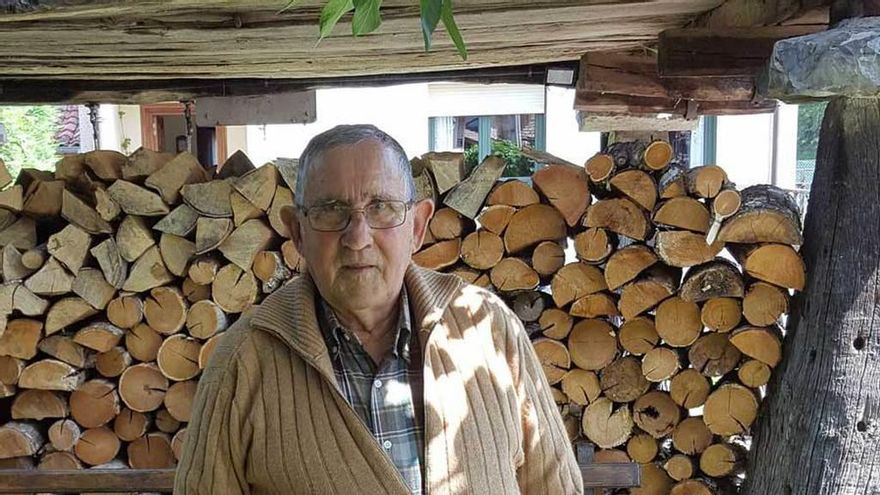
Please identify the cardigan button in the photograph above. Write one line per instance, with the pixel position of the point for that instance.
(387, 444)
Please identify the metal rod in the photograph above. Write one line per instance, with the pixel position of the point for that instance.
(93, 118)
(187, 114)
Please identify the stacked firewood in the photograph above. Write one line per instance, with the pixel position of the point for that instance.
(652, 293)
(119, 275)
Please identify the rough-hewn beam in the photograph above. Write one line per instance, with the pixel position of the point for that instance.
(750, 13)
(722, 52)
(622, 104)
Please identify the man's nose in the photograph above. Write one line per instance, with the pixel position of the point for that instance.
(358, 235)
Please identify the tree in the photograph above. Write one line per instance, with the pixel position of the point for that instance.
(517, 164)
(30, 133)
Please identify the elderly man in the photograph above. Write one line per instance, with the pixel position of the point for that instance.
(370, 375)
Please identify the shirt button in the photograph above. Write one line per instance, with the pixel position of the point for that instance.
(377, 383)
(387, 444)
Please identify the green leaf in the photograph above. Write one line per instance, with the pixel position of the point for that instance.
(430, 17)
(330, 15)
(366, 16)
(452, 29)
(291, 4)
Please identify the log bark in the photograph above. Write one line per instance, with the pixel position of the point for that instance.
(717, 278)
(468, 196)
(767, 214)
(114, 268)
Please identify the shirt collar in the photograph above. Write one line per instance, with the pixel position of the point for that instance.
(335, 333)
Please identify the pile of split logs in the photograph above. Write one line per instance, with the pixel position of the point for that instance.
(652, 294)
(119, 273)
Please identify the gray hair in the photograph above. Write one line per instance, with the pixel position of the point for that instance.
(343, 135)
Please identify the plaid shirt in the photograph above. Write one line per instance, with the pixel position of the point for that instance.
(387, 397)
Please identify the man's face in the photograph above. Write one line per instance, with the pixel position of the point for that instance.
(359, 267)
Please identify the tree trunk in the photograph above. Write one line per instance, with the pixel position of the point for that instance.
(830, 357)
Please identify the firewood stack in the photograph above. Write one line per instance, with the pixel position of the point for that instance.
(652, 293)
(119, 275)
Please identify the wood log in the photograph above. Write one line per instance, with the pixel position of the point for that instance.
(73, 171)
(292, 257)
(165, 422)
(245, 242)
(38, 404)
(94, 403)
(606, 426)
(130, 425)
(721, 314)
(91, 285)
(108, 209)
(258, 185)
(15, 296)
(716, 278)
(425, 187)
(10, 369)
(234, 290)
(99, 336)
(636, 185)
(151, 451)
(581, 386)
(143, 343)
(610, 456)
(529, 305)
(514, 193)
(105, 164)
(133, 238)
(142, 163)
(43, 199)
(448, 169)
(730, 410)
(135, 200)
(112, 363)
(554, 359)
(20, 438)
(472, 276)
(689, 389)
(753, 373)
(767, 214)
(705, 181)
(64, 434)
(763, 344)
(555, 323)
(12, 199)
(654, 481)
(642, 448)
(59, 461)
(13, 268)
(283, 199)
(64, 348)
(599, 304)
(5, 176)
(181, 170)
(33, 259)
(178, 357)
(626, 154)
(242, 209)
(623, 380)
(179, 400)
(51, 374)
(468, 196)
(177, 442)
(114, 268)
(619, 215)
(681, 248)
(496, 218)
(764, 303)
(513, 274)
(566, 188)
(438, 256)
(208, 349)
(67, 311)
(678, 322)
(592, 344)
(672, 183)
(713, 355)
(237, 166)
(594, 245)
(269, 268)
(777, 264)
(21, 338)
(725, 205)
(205, 319)
(683, 212)
(125, 311)
(204, 268)
(652, 287)
(181, 221)
(691, 436)
(78, 212)
(97, 446)
(211, 233)
(720, 460)
(547, 258)
(627, 263)
(660, 364)
(142, 387)
(638, 335)
(447, 224)
(599, 168)
(482, 249)
(176, 253)
(680, 467)
(147, 272)
(165, 310)
(51, 280)
(531, 225)
(210, 199)
(195, 292)
(574, 281)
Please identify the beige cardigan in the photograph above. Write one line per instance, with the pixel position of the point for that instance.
(269, 418)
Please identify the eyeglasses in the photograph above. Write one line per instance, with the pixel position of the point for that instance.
(380, 214)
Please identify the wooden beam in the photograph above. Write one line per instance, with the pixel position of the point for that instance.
(752, 13)
(623, 104)
(726, 52)
(600, 122)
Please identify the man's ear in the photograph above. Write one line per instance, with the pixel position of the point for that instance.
(290, 218)
(422, 212)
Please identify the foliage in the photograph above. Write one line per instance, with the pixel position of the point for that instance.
(31, 137)
(809, 125)
(367, 18)
(517, 164)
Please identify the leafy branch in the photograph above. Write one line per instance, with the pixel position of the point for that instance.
(367, 18)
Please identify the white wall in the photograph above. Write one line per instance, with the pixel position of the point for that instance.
(745, 148)
(115, 124)
(564, 138)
